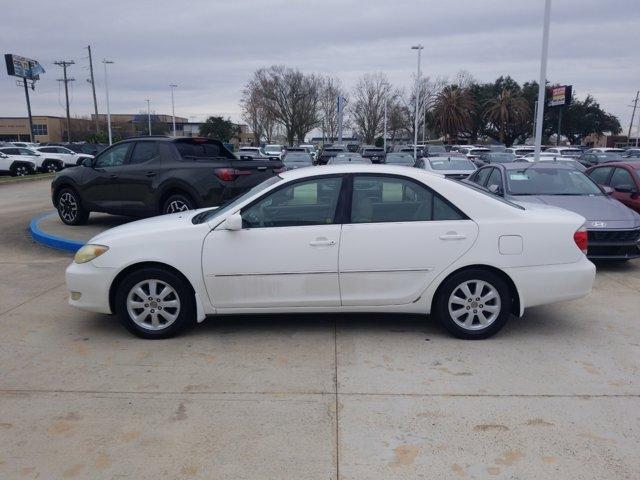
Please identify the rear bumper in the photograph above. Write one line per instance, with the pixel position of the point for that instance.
(541, 285)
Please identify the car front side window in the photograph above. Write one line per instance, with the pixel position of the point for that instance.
(600, 175)
(310, 202)
(113, 157)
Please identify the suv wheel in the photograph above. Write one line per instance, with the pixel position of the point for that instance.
(177, 203)
(155, 303)
(70, 209)
(50, 166)
(20, 170)
(473, 304)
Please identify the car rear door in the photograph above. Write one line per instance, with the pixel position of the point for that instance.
(286, 254)
(622, 177)
(400, 236)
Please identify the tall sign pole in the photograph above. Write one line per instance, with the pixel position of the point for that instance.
(633, 114)
(93, 89)
(543, 79)
(149, 115)
(106, 87)
(415, 128)
(28, 71)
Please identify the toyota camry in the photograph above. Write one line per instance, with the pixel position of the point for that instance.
(343, 238)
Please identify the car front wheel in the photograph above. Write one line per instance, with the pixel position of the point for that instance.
(155, 303)
(20, 171)
(70, 209)
(177, 203)
(473, 304)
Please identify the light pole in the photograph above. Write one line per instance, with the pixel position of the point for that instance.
(106, 87)
(543, 79)
(415, 129)
(173, 110)
(149, 114)
(386, 95)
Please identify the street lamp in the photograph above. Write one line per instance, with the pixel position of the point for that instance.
(386, 95)
(543, 79)
(173, 110)
(415, 129)
(106, 87)
(149, 114)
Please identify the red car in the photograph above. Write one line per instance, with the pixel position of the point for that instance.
(623, 178)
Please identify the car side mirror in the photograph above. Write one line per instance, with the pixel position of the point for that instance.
(87, 162)
(233, 223)
(495, 189)
(607, 190)
(624, 189)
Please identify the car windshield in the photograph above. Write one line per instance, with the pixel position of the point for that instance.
(348, 158)
(437, 149)
(478, 151)
(499, 157)
(273, 148)
(455, 163)
(570, 152)
(225, 207)
(400, 158)
(333, 150)
(550, 181)
(373, 151)
(609, 157)
(297, 158)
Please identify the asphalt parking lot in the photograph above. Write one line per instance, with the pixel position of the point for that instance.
(556, 394)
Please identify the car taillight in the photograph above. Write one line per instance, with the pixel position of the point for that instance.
(581, 237)
(226, 174)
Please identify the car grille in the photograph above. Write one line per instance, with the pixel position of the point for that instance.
(614, 235)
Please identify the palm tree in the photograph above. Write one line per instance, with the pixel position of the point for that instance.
(452, 111)
(507, 108)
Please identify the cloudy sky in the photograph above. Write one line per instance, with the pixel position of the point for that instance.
(211, 47)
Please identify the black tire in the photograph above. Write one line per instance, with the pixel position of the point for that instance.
(51, 166)
(70, 209)
(186, 314)
(474, 331)
(20, 170)
(178, 202)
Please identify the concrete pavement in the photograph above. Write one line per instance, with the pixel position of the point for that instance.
(555, 395)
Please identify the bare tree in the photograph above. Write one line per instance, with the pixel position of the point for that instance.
(330, 89)
(367, 108)
(291, 98)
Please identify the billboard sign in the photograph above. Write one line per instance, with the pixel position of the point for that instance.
(559, 95)
(22, 67)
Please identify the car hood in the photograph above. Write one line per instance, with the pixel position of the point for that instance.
(153, 227)
(605, 211)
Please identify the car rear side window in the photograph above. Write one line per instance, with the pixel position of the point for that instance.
(144, 152)
(198, 150)
(600, 175)
(378, 199)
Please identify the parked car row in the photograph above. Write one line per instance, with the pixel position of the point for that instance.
(21, 159)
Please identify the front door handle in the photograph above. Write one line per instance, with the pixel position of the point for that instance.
(452, 236)
(322, 242)
(150, 174)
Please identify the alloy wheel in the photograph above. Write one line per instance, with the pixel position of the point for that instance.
(474, 304)
(177, 206)
(68, 207)
(51, 167)
(22, 171)
(153, 304)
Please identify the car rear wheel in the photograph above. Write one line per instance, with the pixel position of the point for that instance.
(155, 303)
(473, 304)
(50, 166)
(177, 203)
(70, 209)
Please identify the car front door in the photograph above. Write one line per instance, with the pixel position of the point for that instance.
(286, 254)
(138, 177)
(622, 178)
(100, 187)
(401, 235)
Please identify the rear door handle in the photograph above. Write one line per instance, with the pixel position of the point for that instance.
(150, 174)
(452, 236)
(322, 241)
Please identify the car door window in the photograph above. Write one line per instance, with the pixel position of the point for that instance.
(495, 180)
(482, 175)
(621, 177)
(377, 199)
(47, 150)
(311, 202)
(144, 152)
(114, 157)
(26, 151)
(600, 175)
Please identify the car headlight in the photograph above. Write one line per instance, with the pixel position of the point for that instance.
(89, 252)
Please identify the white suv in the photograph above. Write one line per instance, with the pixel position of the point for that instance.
(16, 166)
(68, 157)
(43, 162)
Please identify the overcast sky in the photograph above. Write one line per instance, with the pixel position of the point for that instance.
(211, 47)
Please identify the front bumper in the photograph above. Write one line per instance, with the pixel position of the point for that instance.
(92, 283)
(614, 244)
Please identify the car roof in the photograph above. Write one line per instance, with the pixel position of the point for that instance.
(631, 164)
(358, 168)
(536, 165)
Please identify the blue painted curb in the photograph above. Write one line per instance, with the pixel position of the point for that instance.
(49, 240)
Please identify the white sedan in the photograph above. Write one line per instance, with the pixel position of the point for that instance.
(65, 155)
(344, 238)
